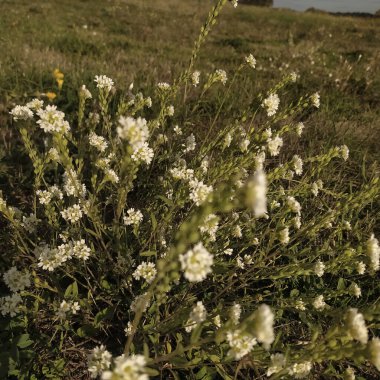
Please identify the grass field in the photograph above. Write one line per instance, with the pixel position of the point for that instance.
(151, 41)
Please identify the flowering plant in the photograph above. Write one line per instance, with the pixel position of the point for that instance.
(154, 248)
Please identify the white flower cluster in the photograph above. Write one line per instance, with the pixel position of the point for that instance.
(127, 368)
(274, 145)
(45, 196)
(196, 263)
(297, 164)
(251, 61)
(316, 100)
(257, 193)
(240, 342)
(98, 361)
(210, 226)
(220, 76)
(147, 271)
(263, 325)
(72, 185)
(66, 307)
(52, 120)
(134, 217)
(10, 304)
(373, 252)
(104, 83)
(137, 133)
(356, 326)
(72, 214)
(16, 280)
(99, 142)
(30, 223)
(195, 78)
(197, 316)
(278, 362)
(271, 104)
(199, 191)
(300, 370)
(51, 258)
(319, 268)
(21, 113)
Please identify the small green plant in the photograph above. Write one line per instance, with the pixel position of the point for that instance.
(153, 248)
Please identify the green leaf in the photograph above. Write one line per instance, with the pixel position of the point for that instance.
(103, 315)
(23, 341)
(148, 253)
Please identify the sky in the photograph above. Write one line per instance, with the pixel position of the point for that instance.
(369, 6)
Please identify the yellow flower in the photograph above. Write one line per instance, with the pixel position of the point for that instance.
(58, 75)
(51, 95)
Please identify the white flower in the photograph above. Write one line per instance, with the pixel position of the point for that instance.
(195, 78)
(210, 226)
(271, 104)
(177, 130)
(53, 154)
(349, 374)
(196, 263)
(297, 164)
(142, 153)
(111, 175)
(221, 75)
(235, 3)
(170, 110)
(52, 120)
(293, 76)
(72, 214)
(30, 223)
(127, 368)
(134, 217)
(197, 316)
(85, 93)
(129, 329)
(373, 252)
(251, 61)
(35, 104)
(134, 130)
(21, 113)
(319, 303)
(257, 194)
(99, 142)
(244, 145)
(81, 250)
(63, 309)
(104, 83)
(45, 196)
(300, 305)
(316, 100)
(263, 325)
(199, 191)
(217, 321)
(283, 236)
(228, 251)
(147, 271)
(299, 128)
(72, 185)
(241, 343)
(235, 313)
(278, 362)
(74, 306)
(356, 326)
(190, 143)
(163, 86)
(355, 290)
(227, 140)
(16, 280)
(300, 370)
(360, 267)
(345, 152)
(274, 145)
(294, 205)
(236, 232)
(319, 268)
(374, 352)
(10, 304)
(98, 361)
